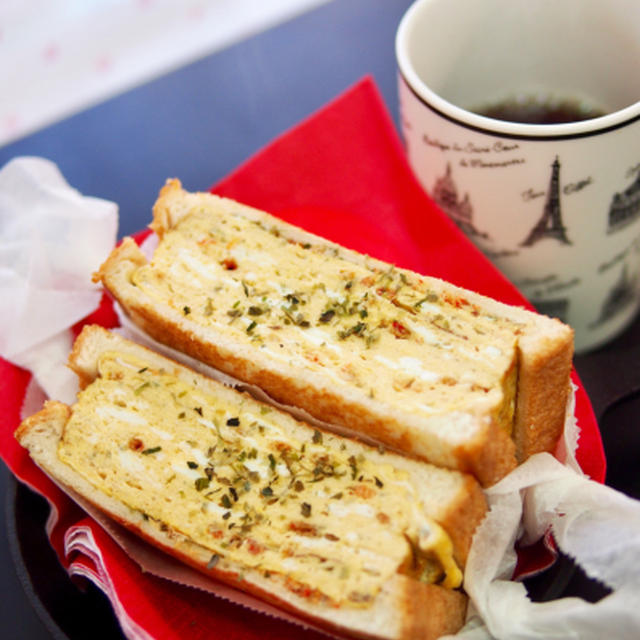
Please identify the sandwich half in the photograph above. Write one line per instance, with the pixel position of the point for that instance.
(355, 539)
(412, 362)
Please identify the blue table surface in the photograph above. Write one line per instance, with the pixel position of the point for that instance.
(198, 123)
(201, 121)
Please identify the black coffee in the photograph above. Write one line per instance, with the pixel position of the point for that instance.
(540, 110)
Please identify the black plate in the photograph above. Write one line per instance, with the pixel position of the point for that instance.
(66, 608)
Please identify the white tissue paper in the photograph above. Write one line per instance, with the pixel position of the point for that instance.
(52, 238)
(592, 523)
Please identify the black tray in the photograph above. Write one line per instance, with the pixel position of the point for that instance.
(66, 607)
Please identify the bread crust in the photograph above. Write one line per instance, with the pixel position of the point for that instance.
(405, 608)
(544, 388)
(545, 350)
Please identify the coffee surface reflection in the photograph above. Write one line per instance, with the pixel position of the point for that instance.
(540, 110)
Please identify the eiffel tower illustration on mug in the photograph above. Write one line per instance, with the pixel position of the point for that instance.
(550, 224)
(445, 195)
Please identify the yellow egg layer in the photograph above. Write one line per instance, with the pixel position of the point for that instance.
(252, 485)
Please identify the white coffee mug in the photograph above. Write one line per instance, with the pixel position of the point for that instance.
(556, 207)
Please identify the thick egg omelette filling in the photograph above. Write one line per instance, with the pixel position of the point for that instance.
(381, 331)
(233, 476)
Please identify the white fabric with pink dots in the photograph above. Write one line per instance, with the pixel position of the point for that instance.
(60, 56)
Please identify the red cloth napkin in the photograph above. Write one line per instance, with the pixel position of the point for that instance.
(342, 173)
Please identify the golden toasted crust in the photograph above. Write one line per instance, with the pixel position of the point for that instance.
(544, 387)
(126, 252)
(53, 416)
(462, 516)
(545, 349)
(446, 616)
(164, 216)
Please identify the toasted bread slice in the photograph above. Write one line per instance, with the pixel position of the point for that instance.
(355, 539)
(413, 362)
